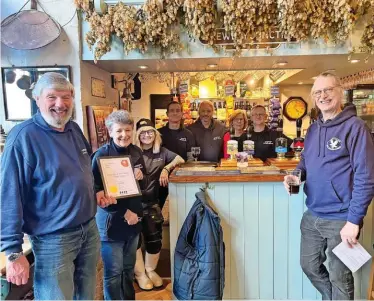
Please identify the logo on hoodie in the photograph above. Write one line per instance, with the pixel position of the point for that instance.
(334, 144)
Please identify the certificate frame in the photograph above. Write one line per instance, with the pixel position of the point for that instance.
(113, 184)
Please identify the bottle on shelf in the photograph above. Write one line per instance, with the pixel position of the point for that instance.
(215, 110)
(194, 111)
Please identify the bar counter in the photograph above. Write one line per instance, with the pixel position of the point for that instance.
(261, 230)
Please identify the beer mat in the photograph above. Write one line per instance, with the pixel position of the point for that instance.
(233, 163)
(268, 170)
(284, 163)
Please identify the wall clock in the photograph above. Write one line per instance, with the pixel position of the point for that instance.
(294, 108)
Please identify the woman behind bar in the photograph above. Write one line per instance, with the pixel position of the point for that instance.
(238, 123)
(159, 162)
(118, 221)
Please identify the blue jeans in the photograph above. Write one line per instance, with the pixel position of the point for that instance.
(119, 260)
(65, 263)
(318, 237)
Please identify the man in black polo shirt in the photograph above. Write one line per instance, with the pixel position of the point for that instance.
(174, 136)
(263, 138)
(208, 133)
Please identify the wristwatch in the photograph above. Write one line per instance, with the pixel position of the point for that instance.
(14, 256)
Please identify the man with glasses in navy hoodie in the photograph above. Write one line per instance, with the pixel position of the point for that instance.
(47, 191)
(338, 168)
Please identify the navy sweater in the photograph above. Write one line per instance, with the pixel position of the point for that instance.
(338, 165)
(46, 181)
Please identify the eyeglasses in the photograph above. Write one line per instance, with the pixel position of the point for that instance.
(258, 114)
(149, 133)
(317, 94)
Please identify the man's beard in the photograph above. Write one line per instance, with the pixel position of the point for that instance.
(58, 122)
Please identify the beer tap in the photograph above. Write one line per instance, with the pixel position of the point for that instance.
(280, 142)
(298, 142)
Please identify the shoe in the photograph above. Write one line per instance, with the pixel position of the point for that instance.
(151, 261)
(140, 276)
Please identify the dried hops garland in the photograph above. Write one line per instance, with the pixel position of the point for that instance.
(156, 22)
(129, 26)
(367, 39)
(83, 4)
(248, 21)
(160, 25)
(100, 33)
(294, 19)
(200, 19)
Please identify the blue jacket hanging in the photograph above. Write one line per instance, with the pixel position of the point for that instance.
(199, 259)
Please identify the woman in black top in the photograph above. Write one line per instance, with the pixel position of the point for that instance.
(159, 162)
(118, 220)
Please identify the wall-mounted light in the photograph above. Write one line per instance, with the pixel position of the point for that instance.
(314, 77)
(300, 83)
(354, 61)
(212, 65)
(281, 63)
(143, 67)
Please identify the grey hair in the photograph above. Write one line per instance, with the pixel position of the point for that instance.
(52, 80)
(120, 116)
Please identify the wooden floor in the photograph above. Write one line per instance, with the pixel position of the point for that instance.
(164, 293)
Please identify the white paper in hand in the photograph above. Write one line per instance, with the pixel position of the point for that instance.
(354, 258)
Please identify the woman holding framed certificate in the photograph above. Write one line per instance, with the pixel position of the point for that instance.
(117, 167)
(159, 162)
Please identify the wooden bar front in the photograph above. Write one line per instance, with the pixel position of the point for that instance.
(261, 231)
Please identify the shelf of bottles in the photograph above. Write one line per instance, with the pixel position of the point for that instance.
(223, 108)
(363, 99)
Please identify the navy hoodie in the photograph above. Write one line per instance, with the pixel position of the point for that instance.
(46, 181)
(338, 166)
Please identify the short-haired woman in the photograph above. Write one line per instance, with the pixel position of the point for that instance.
(238, 123)
(118, 221)
(159, 162)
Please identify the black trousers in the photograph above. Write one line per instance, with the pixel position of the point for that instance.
(152, 228)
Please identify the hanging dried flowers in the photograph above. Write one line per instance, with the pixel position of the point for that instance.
(101, 28)
(83, 4)
(294, 19)
(200, 19)
(367, 39)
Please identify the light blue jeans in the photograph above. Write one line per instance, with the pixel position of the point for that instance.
(65, 263)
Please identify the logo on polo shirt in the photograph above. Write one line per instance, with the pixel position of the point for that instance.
(268, 142)
(334, 144)
(84, 152)
(217, 138)
(183, 139)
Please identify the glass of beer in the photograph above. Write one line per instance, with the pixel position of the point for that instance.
(294, 181)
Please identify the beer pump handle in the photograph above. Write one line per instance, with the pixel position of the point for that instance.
(299, 123)
(249, 129)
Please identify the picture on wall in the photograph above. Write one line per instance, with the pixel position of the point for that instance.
(17, 89)
(97, 130)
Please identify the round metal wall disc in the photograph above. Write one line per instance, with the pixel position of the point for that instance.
(29, 29)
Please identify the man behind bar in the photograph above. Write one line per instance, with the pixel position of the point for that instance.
(208, 133)
(47, 192)
(176, 138)
(338, 167)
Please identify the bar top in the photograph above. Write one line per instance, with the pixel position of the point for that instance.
(225, 178)
(257, 171)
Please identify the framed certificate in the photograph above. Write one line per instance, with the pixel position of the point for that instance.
(118, 177)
